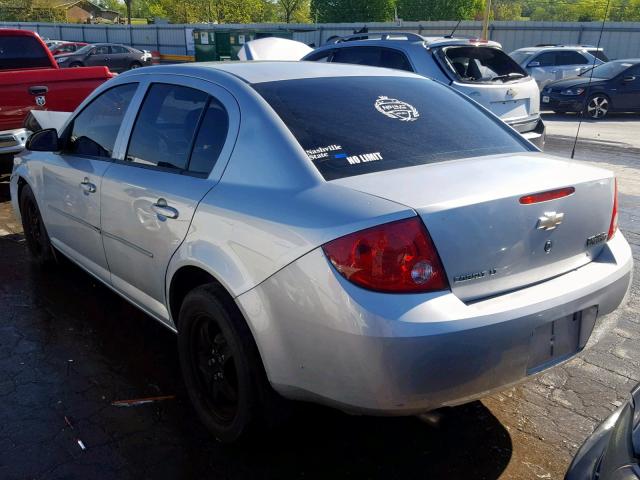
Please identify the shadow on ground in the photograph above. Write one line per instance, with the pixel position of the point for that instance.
(69, 347)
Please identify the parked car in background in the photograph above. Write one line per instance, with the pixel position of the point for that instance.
(66, 47)
(53, 43)
(117, 58)
(30, 79)
(609, 87)
(597, 52)
(360, 237)
(479, 69)
(547, 64)
(612, 452)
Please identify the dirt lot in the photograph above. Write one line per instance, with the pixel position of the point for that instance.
(69, 348)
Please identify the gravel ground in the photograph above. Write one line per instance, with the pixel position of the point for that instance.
(69, 348)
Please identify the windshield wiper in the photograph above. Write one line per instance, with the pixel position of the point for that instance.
(508, 76)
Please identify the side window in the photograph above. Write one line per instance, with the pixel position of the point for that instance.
(358, 55)
(546, 59)
(210, 139)
(102, 50)
(95, 129)
(320, 56)
(394, 59)
(163, 133)
(117, 49)
(571, 58)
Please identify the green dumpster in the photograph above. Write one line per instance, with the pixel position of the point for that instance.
(205, 45)
(221, 45)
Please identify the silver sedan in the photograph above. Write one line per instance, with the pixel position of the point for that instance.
(358, 237)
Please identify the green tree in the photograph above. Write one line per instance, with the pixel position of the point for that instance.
(296, 11)
(438, 9)
(336, 11)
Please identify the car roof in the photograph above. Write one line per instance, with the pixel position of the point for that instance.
(387, 38)
(273, 71)
(555, 47)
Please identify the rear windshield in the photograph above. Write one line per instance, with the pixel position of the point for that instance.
(480, 64)
(356, 125)
(22, 52)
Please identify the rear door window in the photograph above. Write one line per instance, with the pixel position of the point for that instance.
(358, 56)
(210, 139)
(167, 121)
(357, 125)
(22, 52)
(480, 64)
(599, 54)
(373, 56)
(568, 57)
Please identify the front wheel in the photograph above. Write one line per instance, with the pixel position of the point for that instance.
(75, 65)
(220, 363)
(34, 229)
(598, 106)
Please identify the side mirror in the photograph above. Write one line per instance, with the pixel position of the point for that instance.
(628, 78)
(44, 141)
(533, 64)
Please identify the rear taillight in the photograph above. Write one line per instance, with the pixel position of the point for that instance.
(614, 213)
(397, 257)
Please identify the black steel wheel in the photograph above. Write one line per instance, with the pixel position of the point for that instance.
(220, 363)
(35, 232)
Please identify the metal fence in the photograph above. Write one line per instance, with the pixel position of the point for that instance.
(619, 39)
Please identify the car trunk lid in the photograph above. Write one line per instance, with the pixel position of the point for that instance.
(488, 241)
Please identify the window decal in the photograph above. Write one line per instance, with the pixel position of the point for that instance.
(396, 109)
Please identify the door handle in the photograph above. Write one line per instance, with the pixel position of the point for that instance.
(161, 208)
(87, 186)
(38, 90)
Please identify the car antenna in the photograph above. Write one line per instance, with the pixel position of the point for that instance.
(575, 141)
(454, 30)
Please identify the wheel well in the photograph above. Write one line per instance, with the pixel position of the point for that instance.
(183, 281)
(21, 183)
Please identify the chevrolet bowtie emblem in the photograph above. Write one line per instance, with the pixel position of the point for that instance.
(550, 221)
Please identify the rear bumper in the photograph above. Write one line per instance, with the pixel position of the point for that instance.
(13, 141)
(325, 340)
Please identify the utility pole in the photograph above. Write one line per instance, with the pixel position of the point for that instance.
(485, 20)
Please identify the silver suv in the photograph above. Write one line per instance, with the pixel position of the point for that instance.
(548, 63)
(478, 68)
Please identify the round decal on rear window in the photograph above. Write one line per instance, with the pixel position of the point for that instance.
(397, 109)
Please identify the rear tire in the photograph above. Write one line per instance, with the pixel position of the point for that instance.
(35, 231)
(220, 364)
(76, 65)
(134, 65)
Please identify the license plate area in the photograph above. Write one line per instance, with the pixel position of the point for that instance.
(545, 99)
(560, 339)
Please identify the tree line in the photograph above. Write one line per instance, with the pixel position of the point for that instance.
(337, 11)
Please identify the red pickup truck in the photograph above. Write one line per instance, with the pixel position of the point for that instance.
(30, 79)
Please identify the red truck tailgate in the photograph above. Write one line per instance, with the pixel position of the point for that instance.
(65, 90)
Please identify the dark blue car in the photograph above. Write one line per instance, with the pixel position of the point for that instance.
(615, 87)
